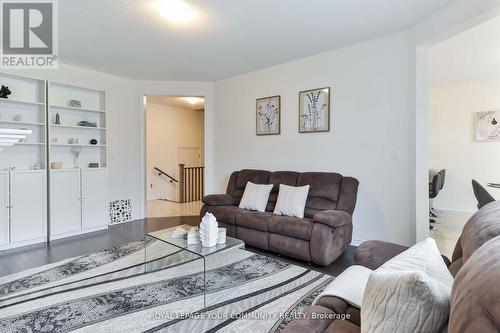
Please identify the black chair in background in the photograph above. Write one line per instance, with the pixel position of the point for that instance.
(435, 186)
(482, 196)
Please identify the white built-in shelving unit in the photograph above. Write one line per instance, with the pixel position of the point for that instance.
(75, 195)
(78, 193)
(23, 189)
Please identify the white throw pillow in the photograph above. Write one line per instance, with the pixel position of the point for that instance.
(255, 196)
(291, 201)
(409, 293)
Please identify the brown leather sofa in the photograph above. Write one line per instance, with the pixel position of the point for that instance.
(475, 264)
(320, 237)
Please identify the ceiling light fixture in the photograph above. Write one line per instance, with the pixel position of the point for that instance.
(193, 100)
(175, 10)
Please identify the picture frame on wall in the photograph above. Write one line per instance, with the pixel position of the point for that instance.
(268, 115)
(314, 110)
(487, 126)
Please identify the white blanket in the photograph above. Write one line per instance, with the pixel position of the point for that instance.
(349, 286)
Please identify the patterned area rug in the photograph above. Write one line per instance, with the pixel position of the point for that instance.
(110, 291)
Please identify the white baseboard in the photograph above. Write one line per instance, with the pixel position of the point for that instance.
(78, 232)
(23, 243)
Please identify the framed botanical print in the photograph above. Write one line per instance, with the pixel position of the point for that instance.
(268, 115)
(314, 110)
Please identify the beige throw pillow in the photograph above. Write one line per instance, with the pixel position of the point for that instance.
(409, 293)
(255, 196)
(291, 201)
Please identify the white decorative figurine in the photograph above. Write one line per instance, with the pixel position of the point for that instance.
(208, 230)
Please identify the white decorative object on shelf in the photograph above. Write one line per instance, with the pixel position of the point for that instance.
(221, 238)
(208, 230)
(193, 236)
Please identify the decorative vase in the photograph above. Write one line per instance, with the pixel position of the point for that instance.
(208, 230)
(58, 119)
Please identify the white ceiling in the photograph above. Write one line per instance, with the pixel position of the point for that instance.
(180, 102)
(471, 56)
(228, 37)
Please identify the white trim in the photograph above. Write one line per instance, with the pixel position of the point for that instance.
(23, 243)
(78, 232)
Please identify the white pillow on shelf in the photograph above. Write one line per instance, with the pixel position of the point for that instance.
(291, 200)
(255, 196)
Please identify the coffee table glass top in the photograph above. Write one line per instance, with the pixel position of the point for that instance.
(163, 252)
(165, 235)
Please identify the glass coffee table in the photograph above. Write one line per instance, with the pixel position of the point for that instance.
(162, 252)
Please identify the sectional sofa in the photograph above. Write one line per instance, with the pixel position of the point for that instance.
(320, 237)
(475, 265)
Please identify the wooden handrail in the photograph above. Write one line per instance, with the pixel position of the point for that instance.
(161, 172)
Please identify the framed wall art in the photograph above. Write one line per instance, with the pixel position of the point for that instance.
(268, 115)
(487, 126)
(314, 110)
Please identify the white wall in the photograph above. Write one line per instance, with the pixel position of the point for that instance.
(369, 124)
(452, 146)
(169, 128)
(123, 132)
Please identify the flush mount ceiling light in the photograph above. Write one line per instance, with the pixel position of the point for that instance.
(193, 100)
(175, 10)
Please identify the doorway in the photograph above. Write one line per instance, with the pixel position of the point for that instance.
(174, 155)
(463, 127)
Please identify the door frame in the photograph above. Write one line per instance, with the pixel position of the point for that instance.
(423, 39)
(206, 93)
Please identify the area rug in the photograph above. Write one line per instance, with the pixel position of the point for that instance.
(110, 291)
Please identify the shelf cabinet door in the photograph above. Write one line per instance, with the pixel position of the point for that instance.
(28, 214)
(95, 198)
(65, 201)
(4, 209)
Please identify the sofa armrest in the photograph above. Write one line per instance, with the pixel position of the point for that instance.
(218, 200)
(333, 218)
(373, 254)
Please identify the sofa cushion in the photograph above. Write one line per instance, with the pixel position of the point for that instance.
(291, 226)
(226, 214)
(481, 227)
(323, 184)
(278, 178)
(475, 305)
(253, 220)
(414, 288)
(374, 253)
(254, 176)
(342, 326)
(315, 205)
(218, 200)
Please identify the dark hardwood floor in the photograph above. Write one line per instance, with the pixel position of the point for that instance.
(19, 259)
